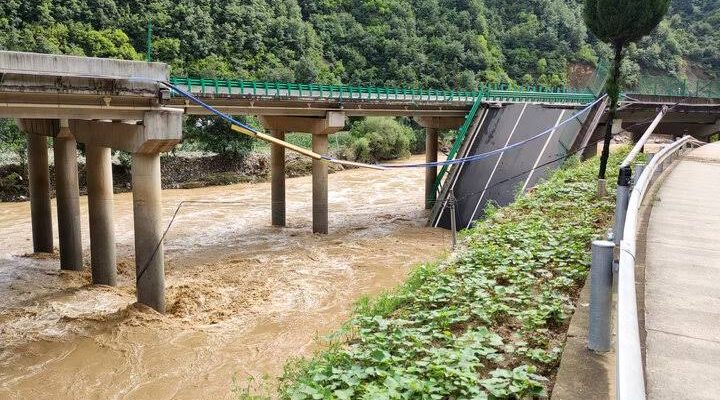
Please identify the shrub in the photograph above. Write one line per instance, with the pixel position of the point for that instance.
(379, 138)
(12, 140)
(214, 135)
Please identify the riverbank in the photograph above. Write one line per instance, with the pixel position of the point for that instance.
(487, 322)
(178, 171)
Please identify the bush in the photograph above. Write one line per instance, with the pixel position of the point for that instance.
(214, 135)
(379, 138)
(12, 140)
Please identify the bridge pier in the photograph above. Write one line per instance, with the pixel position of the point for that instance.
(431, 150)
(432, 125)
(320, 128)
(147, 213)
(277, 173)
(67, 195)
(320, 185)
(158, 132)
(100, 211)
(39, 185)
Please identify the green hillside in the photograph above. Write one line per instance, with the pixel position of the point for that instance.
(428, 43)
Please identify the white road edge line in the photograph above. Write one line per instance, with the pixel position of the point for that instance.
(542, 152)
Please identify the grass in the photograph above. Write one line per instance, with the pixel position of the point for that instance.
(488, 322)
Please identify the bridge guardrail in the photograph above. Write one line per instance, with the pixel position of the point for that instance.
(492, 92)
(677, 87)
(459, 139)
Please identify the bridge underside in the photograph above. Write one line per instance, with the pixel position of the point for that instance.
(696, 117)
(499, 178)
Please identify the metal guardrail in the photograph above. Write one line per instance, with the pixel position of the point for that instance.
(459, 139)
(630, 378)
(491, 92)
(672, 86)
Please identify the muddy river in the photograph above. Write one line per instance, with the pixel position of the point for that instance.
(243, 297)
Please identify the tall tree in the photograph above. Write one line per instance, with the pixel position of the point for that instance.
(620, 22)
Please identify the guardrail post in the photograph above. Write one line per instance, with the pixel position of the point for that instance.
(621, 204)
(453, 222)
(601, 278)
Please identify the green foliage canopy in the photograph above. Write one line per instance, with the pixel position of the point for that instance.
(622, 21)
(445, 44)
(379, 138)
(214, 135)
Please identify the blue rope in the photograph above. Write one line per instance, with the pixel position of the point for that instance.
(210, 108)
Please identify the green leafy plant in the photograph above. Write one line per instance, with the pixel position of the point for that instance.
(12, 140)
(486, 323)
(214, 135)
(379, 138)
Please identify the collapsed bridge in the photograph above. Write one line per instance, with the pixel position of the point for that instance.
(120, 105)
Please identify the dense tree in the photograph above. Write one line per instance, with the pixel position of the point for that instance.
(429, 43)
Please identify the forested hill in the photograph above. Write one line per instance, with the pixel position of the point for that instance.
(427, 43)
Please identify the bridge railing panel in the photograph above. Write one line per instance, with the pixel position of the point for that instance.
(495, 92)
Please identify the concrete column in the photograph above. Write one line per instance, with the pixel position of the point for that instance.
(320, 185)
(277, 172)
(149, 262)
(617, 126)
(100, 210)
(68, 200)
(431, 150)
(39, 180)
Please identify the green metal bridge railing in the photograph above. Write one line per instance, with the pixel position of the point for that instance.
(672, 86)
(459, 139)
(491, 92)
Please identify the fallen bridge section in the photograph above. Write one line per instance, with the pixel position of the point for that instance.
(500, 177)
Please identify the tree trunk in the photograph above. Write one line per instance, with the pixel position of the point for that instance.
(614, 93)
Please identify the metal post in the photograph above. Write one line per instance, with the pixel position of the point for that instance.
(623, 197)
(639, 168)
(601, 278)
(149, 55)
(453, 221)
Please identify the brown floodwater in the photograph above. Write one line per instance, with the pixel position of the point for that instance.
(243, 297)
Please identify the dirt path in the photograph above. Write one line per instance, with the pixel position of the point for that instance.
(243, 297)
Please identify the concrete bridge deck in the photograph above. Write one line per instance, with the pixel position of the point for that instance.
(682, 281)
